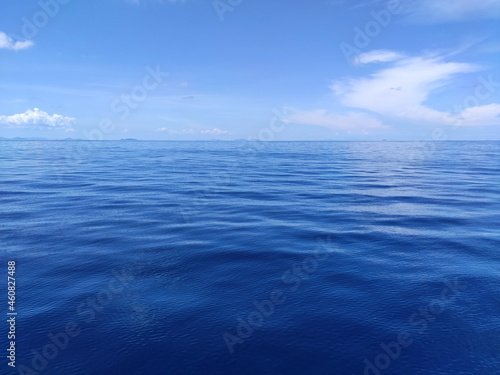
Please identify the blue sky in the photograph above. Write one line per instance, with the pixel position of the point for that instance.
(250, 69)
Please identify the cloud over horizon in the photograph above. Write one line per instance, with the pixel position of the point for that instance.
(214, 131)
(350, 122)
(398, 89)
(402, 89)
(38, 119)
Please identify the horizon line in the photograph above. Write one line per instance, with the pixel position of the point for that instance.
(34, 139)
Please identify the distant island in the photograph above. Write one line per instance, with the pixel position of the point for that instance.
(24, 139)
(47, 139)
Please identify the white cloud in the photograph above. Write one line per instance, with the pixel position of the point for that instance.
(434, 11)
(7, 42)
(38, 119)
(485, 115)
(401, 91)
(380, 55)
(351, 122)
(401, 87)
(215, 131)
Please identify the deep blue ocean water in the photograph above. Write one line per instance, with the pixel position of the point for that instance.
(252, 258)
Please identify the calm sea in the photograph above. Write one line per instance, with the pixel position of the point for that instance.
(252, 258)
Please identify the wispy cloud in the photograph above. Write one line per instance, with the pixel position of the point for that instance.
(7, 42)
(350, 122)
(439, 11)
(38, 119)
(215, 131)
(485, 115)
(377, 56)
(402, 89)
(432, 11)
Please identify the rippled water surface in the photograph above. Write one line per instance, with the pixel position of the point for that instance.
(253, 258)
